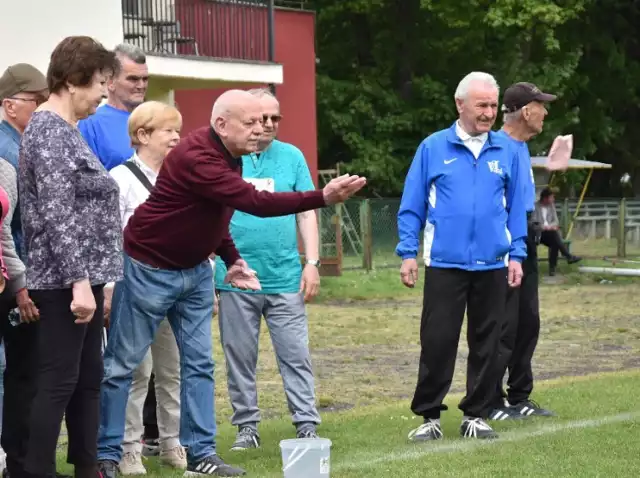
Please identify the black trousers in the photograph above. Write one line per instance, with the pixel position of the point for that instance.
(68, 376)
(149, 415)
(20, 344)
(520, 334)
(447, 292)
(553, 241)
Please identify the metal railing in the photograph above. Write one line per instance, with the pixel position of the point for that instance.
(225, 29)
(364, 234)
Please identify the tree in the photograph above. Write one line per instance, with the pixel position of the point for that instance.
(388, 71)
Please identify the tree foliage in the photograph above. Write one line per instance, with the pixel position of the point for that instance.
(388, 70)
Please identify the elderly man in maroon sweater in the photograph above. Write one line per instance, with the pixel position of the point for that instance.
(167, 243)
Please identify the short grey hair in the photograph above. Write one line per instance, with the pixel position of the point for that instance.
(512, 117)
(132, 52)
(261, 92)
(462, 91)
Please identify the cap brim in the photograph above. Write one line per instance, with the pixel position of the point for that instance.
(545, 97)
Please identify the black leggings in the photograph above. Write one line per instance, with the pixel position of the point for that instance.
(68, 376)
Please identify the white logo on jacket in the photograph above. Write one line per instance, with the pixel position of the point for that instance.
(494, 167)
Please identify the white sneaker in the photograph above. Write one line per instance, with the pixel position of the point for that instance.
(131, 464)
(175, 457)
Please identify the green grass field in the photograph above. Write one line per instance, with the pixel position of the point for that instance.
(597, 434)
(365, 346)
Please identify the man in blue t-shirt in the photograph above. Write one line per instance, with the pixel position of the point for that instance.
(270, 247)
(524, 113)
(106, 131)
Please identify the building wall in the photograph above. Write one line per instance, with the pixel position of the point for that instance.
(30, 33)
(295, 50)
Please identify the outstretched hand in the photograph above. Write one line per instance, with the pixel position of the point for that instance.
(342, 188)
(241, 277)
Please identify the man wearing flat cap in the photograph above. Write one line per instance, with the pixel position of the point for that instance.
(22, 89)
(524, 108)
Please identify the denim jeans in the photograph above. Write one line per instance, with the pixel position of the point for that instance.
(140, 303)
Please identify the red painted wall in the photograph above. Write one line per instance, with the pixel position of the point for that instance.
(224, 30)
(295, 50)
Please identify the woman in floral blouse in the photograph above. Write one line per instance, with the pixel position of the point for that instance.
(69, 206)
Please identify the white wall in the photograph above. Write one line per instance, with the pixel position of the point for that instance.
(32, 28)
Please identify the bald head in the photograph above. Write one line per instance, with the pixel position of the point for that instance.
(231, 102)
(237, 119)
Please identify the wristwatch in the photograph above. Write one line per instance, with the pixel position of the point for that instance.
(313, 263)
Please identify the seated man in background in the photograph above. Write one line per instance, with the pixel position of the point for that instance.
(547, 216)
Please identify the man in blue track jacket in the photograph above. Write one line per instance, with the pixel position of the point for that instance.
(464, 188)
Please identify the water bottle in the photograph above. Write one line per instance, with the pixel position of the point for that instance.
(14, 317)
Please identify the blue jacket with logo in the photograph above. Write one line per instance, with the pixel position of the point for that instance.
(473, 210)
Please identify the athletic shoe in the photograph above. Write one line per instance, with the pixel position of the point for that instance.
(504, 413)
(246, 439)
(212, 466)
(428, 431)
(131, 464)
(529, 408)
(574, 259)
(175, 457)
(150, 447)
(307, 433)
(477, 428)
(107, 469)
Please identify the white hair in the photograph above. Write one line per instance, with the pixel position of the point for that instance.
(512, 117)
(462, 91)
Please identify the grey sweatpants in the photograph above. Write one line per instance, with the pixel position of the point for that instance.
(240, 315)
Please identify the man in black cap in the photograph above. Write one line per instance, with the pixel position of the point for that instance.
(524, 112)
(22, 88)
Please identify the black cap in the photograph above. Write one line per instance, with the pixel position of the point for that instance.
(521, 94)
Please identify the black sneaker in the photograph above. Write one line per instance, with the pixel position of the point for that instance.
(107, 469)
(212, 466)
(504, 413)
(246, 439)
(574, 259)
(529, 408)
(428, 431)
(477, 428)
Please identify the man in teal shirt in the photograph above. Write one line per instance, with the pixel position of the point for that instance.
(270, 247)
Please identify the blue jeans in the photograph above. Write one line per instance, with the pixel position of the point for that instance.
(140, 303)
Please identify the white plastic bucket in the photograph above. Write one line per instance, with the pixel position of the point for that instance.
(306, 457)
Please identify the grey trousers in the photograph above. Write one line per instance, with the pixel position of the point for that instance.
(240, 316)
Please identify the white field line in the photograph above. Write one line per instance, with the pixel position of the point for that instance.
(470, 444)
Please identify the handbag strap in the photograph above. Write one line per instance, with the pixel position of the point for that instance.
(137, 172)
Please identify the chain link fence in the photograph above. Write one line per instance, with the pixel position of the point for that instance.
(363, 233)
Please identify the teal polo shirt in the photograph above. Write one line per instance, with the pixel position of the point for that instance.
(270, 245)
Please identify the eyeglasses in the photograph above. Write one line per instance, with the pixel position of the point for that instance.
(274, 118)
(38, 101)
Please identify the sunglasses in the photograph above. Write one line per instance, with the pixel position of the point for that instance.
(274, 118)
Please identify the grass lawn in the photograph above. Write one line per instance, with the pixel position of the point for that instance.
(365, 346)
(597, 434)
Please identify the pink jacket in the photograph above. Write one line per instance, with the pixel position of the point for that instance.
(4, 204)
